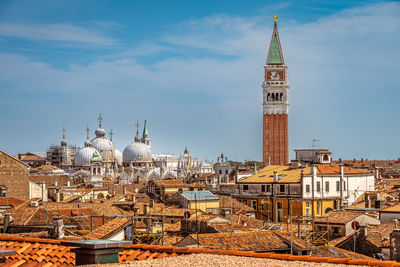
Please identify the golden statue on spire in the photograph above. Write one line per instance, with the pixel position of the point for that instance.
(275, 18)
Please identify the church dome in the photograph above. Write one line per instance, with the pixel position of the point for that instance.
(102, 144)
(118, 156)
(84, 155)
(100, 132)
(137, 152)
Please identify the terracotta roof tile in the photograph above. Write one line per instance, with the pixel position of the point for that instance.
(109, 228)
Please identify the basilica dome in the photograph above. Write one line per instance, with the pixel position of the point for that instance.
(118, 156)
(100, 143)
(137, 152)
(84, 155)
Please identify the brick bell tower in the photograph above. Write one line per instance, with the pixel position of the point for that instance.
(275, 105)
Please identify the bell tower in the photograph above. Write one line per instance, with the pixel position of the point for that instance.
(275, 105)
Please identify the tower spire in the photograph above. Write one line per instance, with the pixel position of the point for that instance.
(275, 55)
(145, 131)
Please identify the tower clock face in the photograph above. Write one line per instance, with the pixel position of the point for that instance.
(275, 75)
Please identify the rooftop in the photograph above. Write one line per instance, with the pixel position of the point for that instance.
(199, 195)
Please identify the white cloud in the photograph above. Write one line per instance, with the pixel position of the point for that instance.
(53, 32)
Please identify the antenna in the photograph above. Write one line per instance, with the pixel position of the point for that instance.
(314, 141)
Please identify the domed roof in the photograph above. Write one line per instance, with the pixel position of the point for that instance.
(137, 152)
(102, 144)
(206, 164)
(100, 132)
(118, 156)
(84, 155)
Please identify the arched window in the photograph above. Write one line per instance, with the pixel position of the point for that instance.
(268, 96)
(325, 158)
(281, 96)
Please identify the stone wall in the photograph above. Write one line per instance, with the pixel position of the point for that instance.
(15, 176)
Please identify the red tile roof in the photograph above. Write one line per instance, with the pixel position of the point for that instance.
(108, 229)
(48, 252)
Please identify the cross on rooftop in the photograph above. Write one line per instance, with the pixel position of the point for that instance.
(100, 118)
(87, 132)
(137, 124)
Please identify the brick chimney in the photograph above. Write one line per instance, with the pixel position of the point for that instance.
(395, 245)
(96, 251)
(57, 229)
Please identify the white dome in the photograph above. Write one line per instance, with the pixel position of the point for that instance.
(137, 152)
(83, 156)
(102, 144)
(206, 164)
(118, 156)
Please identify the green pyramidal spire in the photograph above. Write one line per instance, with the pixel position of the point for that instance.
(275, 55)
(145, 131)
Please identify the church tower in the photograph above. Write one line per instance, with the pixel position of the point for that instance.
(275, 105)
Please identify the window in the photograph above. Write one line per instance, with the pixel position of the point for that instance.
(245, 187)
(282, 188)
(226, 171)
(254, 204)
(263, 188)
(319, 208)
(266, 142)
(220, 171)
(261, 206)
(268, 188)
(307, 188)
(326, 186)
(266, 131)
(266, 120)
(337, 186)
(318, 186)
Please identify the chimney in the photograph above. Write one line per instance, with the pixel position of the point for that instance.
(43, 189)
(6, 221)
(99, 252)
(146, 209)
(57, 229)
(362, 234)
(394, 245)
(276, 177)
(58, 195)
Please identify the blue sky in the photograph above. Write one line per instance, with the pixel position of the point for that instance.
(194, 70)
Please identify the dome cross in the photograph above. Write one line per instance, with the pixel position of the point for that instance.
(100, 119)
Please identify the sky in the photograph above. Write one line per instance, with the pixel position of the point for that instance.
(194, 69)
